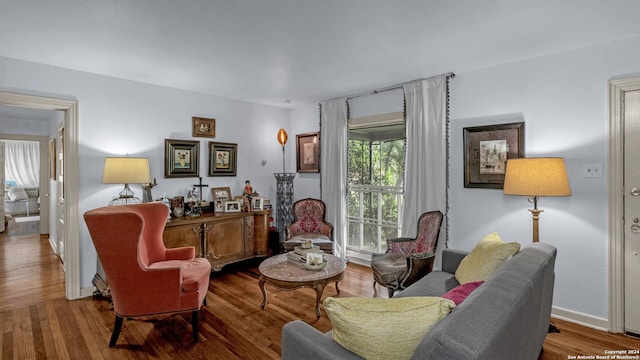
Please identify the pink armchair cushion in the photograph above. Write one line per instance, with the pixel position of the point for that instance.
(145, 278)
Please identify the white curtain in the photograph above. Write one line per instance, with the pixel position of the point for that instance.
(22, 162)
(425, 178)
(333, 161)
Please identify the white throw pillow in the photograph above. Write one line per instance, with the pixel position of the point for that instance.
(17, 193)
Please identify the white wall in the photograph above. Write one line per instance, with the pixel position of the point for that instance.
(562, 99)
(117, 117)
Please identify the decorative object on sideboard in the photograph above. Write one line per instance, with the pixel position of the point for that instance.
(125, 170)
(223, 159)
(203, 127)
(181, 158)
(534, 177)
(307, 153)
(486, 151)
(147, 196)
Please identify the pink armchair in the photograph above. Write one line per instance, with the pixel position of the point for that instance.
(408, 259)
(308, 223)
(145, 277)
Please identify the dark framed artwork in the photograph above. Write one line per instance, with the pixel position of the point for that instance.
(486, 151)
(223, 159)
(307, 153)
(181, 158)
(203, 127)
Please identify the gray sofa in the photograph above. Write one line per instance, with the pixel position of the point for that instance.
(505, 318)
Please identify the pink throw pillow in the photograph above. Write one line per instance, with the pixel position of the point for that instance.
(460, 292)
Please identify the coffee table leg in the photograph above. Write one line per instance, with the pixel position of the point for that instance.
(319, 287)
(337, 288)
(264, 292)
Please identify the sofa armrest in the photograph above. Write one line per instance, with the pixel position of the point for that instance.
(451, 259)
(301, 341)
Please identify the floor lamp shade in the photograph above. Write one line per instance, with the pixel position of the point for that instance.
(534, 177)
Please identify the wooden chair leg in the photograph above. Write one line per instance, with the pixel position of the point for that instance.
(194, 324)
(116, 331)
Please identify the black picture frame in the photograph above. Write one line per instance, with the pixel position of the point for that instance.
(486, 151)
(308, 153)
(181, 158)
(223, 159)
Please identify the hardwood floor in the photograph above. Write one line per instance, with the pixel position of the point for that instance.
(38, 323)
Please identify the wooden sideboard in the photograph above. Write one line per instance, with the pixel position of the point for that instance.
(222, 238)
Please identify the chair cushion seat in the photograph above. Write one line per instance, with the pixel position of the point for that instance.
(389, 267)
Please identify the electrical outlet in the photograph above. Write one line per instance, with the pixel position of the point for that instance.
(592, 170)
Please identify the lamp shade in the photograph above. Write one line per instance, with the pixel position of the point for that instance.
(536, 177)
(282, 137)
(126, 170)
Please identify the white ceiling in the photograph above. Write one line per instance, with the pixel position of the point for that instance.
(268, 51)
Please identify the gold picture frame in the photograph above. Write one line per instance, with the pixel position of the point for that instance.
(203, 127)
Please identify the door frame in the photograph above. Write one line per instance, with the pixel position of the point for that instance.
(617, 88)
(72, 178)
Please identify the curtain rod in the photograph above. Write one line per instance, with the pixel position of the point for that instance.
(392, 87)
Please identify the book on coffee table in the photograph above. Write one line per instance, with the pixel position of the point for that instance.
(313, 249)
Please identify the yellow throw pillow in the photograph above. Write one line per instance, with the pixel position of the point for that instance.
(381, 328)
(485, 258)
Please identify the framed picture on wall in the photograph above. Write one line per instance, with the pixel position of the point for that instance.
(181, 158)
(486, 151)
(223, 159)
(307, 153)
(203, 127)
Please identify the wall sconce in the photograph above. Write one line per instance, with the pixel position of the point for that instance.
(535, 177)
(125, 170)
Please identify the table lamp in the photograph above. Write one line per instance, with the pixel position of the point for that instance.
(125, 170)
(534, 177)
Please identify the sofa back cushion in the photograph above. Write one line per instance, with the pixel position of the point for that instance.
(485, 258)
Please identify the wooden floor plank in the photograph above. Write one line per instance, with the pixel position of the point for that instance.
(38, 322)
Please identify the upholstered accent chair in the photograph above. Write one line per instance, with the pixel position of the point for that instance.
(408, 259)
(308, 223)
(145, 277)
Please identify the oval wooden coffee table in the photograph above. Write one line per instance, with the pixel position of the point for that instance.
(286, 275)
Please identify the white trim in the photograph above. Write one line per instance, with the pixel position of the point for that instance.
(617, 89)
(88, 291)
(580, 318)
(72, 179)
(392, 118)
(54, 245)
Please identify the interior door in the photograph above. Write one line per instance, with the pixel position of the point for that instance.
(632, 211)
(2, 186)
(60, 205)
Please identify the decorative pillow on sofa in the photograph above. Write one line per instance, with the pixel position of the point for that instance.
(380, 328)
(460, 292)
(17, 193)
(485, 258)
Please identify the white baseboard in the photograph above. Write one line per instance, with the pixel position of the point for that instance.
(54, 245)
(580, 318)
(87, 292)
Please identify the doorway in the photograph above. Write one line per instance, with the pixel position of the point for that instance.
(71, 185)
(624, 205)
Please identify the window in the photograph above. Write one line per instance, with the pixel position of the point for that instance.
(375, 169)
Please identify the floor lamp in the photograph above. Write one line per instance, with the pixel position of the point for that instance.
(534, 177)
